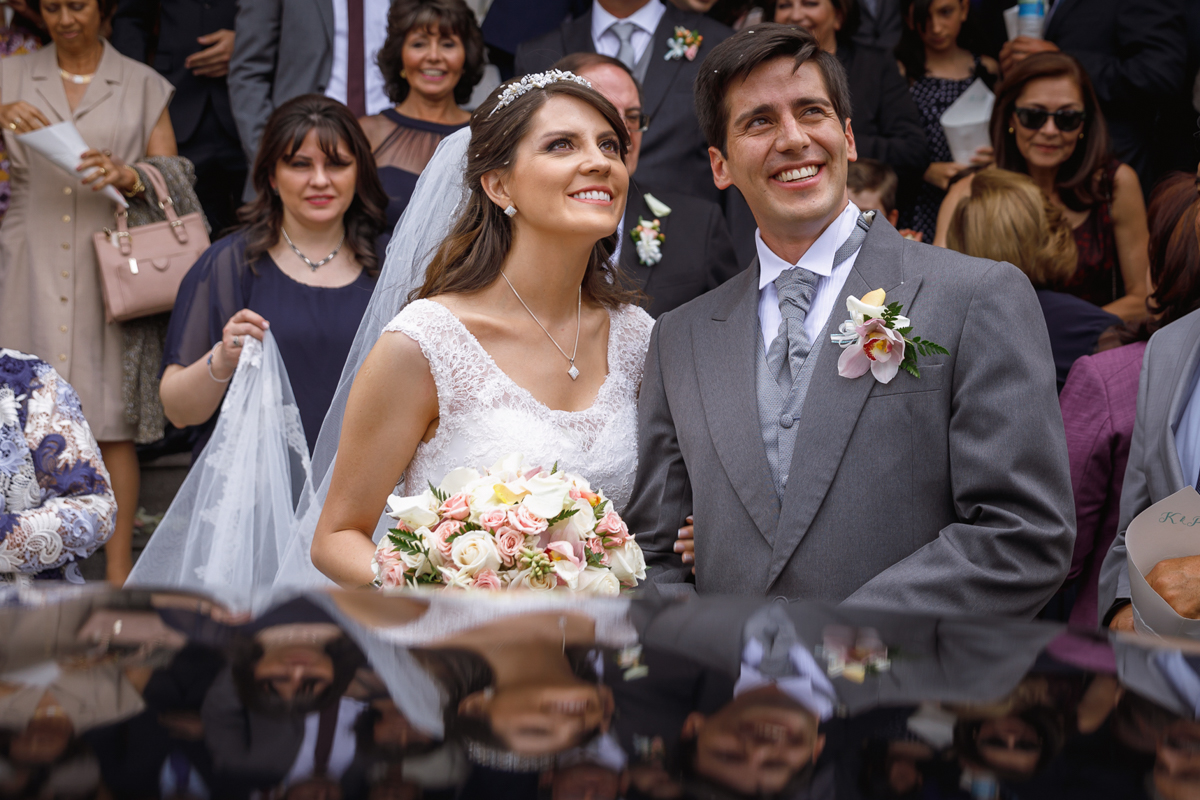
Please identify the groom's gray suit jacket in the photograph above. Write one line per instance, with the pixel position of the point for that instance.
(1170, 369)
(945, 494)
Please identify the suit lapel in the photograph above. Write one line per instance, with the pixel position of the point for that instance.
(635, 207)
(108, 75)
(1180, 396)
(49, 83)
(577, 35)
(833, 403)
(661, 73)
(325, 9)
(725, 356)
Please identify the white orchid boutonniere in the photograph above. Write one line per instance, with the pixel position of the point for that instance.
(648, 238)
(684, 44)
(876, 338)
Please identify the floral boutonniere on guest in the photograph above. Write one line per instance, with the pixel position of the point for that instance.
(684, 44)
(648, 236)
(876, 338)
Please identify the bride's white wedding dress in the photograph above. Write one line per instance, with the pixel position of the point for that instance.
(484, 415)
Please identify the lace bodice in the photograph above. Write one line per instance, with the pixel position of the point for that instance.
(484, 415)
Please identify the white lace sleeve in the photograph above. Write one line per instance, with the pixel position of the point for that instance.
(635, 341)
(440, 337)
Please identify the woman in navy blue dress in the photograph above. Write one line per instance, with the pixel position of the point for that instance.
(431, 60)
(303, 264)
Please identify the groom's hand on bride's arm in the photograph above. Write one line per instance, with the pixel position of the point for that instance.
(685, 545)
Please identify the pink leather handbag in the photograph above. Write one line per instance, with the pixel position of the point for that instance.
(141, 269)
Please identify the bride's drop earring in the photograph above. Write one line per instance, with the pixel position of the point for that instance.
(511, 210)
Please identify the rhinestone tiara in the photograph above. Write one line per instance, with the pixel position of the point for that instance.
(538, 80)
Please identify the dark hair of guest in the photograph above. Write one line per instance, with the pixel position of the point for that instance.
(910, 51)
(848, 10)
(735, 58)
(262, 217)
(107, 7)
(472, 255)
(1174, 217)
(871, 175)
(1047, 723)
(245, 653)
(1077, 182)
(439, 16)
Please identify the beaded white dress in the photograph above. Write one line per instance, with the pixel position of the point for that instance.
(484, 415)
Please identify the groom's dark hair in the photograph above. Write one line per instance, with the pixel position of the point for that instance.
(739, 55)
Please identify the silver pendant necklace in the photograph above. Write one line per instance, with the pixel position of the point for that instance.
(573, 371)
(313, 265)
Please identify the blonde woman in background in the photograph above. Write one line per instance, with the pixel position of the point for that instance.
(1006, 217)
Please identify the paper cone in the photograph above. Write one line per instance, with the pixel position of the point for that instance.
(62, 145)
(1168, 529)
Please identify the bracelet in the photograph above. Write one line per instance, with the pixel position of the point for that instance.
(210, 372)
(138, 187)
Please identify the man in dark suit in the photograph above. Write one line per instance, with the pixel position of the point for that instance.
(674, 152)
(695, 253)
(1135, 55)
(195, 43)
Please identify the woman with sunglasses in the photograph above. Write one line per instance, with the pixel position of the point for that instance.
(1047, 123)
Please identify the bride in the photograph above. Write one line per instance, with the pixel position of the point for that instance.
(518, 340)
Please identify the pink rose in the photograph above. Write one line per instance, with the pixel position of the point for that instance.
(486, 579)
(492, 520)
(613, 529)
(509, 543)
(391, 568)
(691, 52)
(457, 507)
(878, 349)
(442, 534)
(526, 521)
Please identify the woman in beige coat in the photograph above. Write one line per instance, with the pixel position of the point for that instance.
(49, 280)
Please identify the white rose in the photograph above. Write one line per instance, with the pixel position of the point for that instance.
(627, 563)
(416, 511)
(475, 551)
(599, 581)
(416, 564)
(525, 580)
(431, 551)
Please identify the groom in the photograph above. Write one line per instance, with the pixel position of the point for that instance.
(947, 493)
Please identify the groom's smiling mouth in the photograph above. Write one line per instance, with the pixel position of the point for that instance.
(797, 177)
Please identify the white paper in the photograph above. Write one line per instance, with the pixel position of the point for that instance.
(966, 121)
(1010, 21)
(62, 144)
(1168, 529)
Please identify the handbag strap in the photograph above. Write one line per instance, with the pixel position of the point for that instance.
(160, 188)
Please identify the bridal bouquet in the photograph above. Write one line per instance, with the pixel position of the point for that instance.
(513, 527)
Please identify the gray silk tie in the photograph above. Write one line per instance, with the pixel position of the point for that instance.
(789, 348)
(624, 33)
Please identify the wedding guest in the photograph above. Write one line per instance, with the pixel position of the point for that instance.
(1135, 55)
(51, 282)
(1008, 218)
(941, 61)
(1048, 124)
(19, 35)
(431, 60)
(695, 253)
(56, 502)
(1102, 402)
(873, 184)
(303, 262)
(284, 49)
(673, 149)
(887, 125)
(191, 43)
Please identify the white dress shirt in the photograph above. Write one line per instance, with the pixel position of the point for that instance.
(645, 21)
(809, 686)
(374, 33)
(818, 259)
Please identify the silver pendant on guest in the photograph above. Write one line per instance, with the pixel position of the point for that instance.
(574, 373)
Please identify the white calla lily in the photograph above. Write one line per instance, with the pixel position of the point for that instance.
(416, 511)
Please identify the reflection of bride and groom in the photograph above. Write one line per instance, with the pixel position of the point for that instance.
(944, 493)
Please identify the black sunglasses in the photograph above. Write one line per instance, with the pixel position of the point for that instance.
(1066, 120)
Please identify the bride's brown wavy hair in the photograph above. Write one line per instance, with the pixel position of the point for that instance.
(472, 255)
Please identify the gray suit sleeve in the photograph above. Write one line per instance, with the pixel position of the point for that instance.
(662, 491)
(1135, 498)
(252, 69)
(1010, 476)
